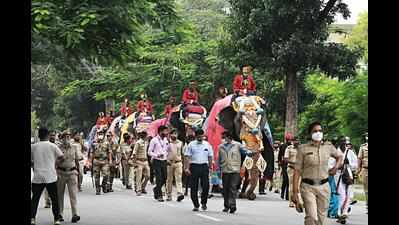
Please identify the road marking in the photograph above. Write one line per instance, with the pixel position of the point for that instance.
(174, 206)
(208, 217)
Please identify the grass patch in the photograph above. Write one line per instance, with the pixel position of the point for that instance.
(360, 197)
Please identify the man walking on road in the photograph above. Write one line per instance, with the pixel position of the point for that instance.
(312, 166)
(363, 166)
(158, 152)
(175, 167)
(230, 153)
(68, 172)
(198, 162)
(139, 158)
(43, 157)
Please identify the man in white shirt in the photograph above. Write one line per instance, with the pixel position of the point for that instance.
(343, 188)
(43, 157)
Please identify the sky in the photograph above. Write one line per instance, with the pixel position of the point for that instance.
(356, 7)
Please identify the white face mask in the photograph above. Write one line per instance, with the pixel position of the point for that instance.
(317, 136)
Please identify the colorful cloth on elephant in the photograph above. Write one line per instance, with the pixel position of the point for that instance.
(152, 129)
(214, 132)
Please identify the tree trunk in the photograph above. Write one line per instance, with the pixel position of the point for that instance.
(291, 115)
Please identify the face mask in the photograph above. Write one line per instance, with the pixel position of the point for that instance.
(67, 141)
(317, 136)
(100, 137)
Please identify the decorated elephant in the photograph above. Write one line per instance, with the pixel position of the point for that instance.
(247, 121)
(136, 122)
(186, 119)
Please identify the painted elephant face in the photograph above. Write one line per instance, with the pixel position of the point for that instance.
(229, 120)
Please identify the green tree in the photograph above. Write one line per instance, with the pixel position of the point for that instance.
(34, 121)
(359, 37)
(287, 39)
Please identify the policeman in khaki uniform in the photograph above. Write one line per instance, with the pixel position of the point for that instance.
(68, 171)
(312, 166)
(290, 157)
(116, 159)
(141, 162)
(174, 167)
(363, 159)
(126, 151)
(101, 157)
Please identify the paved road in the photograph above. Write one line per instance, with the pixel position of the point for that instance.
(123, 207)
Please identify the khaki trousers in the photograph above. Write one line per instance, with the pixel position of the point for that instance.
(316, 200)
(174, 170)
(290, 172)
(142, 169)
(127, 173)
(69, 179)
(366, 184)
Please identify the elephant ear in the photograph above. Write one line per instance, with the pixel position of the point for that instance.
(175, 119)
(226, 117)
(176, 123)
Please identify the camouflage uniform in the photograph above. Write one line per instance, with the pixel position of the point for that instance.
(101, 154)
(116, 159)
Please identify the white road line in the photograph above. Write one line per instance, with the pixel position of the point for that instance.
(170, 205)
(208, 217)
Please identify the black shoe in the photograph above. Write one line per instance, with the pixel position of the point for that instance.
(160, 200)
(60, 219)
(75, 218)
(233, 209)
(181, 197)
(195, 209)
(98, 193)
(353, 202)
(143, 192)
(129, 187)
(262, 193)
(225, 210)
(203, 207)
(349, 209)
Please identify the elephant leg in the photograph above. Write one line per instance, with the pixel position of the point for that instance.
(254, 174)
